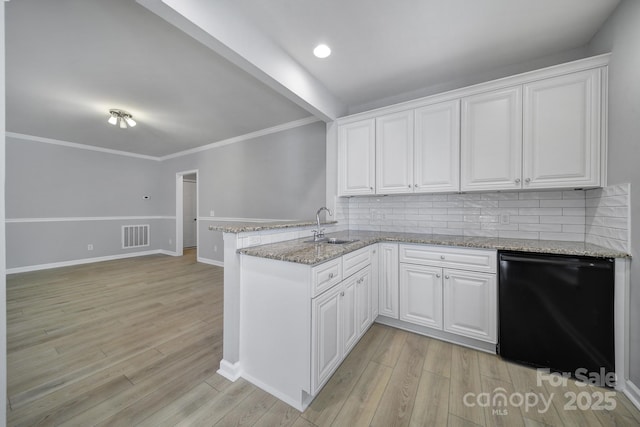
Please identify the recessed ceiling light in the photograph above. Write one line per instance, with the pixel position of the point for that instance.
(322, 51)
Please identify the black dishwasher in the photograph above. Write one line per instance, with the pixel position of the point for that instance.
(556, 311)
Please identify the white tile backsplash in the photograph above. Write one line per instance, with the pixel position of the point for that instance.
(607, 217)
(596, 216)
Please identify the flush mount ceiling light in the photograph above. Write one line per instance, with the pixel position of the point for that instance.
(322, 51)
(123, 117)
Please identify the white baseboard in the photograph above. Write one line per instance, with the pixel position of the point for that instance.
(211, 262)
(83, 261)
(300, 406)
(230, 371)
(633, 393)
(170, 253)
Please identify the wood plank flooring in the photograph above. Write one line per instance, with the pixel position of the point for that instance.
(137, 342)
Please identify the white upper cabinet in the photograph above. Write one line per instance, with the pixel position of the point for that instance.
(562, 131)
(491, 141)
(437, 148)
(356, 158)
(541, 129)
(394, 153)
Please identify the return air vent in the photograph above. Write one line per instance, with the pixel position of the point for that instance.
(135, 236)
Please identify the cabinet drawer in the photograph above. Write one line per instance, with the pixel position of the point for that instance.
(465, 259)
(325, 275)
(356, 261)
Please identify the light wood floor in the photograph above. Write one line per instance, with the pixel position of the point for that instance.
(138, 341)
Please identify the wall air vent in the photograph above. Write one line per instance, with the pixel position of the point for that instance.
(135, 236)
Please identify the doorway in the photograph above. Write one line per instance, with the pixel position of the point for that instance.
(186, 211)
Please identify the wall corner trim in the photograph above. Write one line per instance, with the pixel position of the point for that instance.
(633, 393)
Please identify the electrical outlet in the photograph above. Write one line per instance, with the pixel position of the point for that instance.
(504, 219)
(212, 213)
(215, 248)
(171, 241)
(90, 247)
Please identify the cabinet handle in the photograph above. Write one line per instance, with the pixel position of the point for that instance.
(441, 256)
(371, 188)
(374, 251)
(409, 185)
(528, 180)
(517, 180)
(438, 276)
(446, 277)
(330, 275)
(342, 293)
(415, 185)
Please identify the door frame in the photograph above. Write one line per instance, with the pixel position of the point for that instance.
(179, 210)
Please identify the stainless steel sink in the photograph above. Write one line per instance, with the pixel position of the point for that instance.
(331, 241)
(335, 241)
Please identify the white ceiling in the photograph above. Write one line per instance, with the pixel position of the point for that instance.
(69, 61)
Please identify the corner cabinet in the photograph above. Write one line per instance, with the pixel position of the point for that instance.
(356, 158)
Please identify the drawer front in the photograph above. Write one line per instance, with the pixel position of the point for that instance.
(356, 261)
(325, 275)
(482, 260)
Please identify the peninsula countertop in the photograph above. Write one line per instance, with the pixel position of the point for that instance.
(304, 252)
(249, 226)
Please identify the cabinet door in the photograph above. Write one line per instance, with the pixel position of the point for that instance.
(375, 273)
(356, 158)
(388, 280)
(491, 141)
(349, 301)
(470, 304)
(421, 295)
(562, 117)
(326, 339)
(363, 301)
(437, 148)
(394, 153)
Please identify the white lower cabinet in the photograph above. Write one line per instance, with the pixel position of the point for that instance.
(469, 304)
(388, 280)
(421, 295)
(339, 318)
(326, 342)
(460, 300)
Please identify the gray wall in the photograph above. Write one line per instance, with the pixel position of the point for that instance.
(277, 176)
(52, 181)
(621, 36)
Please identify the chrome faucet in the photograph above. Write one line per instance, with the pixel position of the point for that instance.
(318, 233)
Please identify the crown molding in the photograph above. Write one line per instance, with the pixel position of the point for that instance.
(245, 137)
(217, 144)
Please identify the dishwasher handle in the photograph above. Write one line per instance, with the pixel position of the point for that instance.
(575, 262)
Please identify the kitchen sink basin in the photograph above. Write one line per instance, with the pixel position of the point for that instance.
(331, 241)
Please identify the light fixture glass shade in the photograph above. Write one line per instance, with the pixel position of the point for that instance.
(120, 116)
(129, 121)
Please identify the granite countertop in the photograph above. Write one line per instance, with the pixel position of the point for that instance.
(303, 252)
(242, 226)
